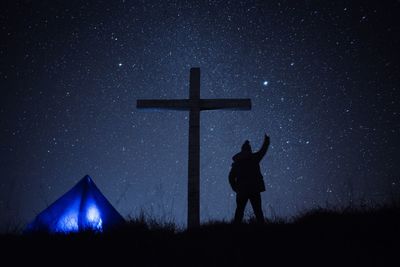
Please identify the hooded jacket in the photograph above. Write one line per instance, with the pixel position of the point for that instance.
(245, 174)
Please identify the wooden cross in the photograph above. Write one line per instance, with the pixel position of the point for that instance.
(194, 105)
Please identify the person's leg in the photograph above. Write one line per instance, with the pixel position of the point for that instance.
(255, 200)
(241, 201)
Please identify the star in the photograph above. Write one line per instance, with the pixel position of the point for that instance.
(265, 83)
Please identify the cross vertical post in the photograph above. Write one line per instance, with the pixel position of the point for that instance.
(193, 218)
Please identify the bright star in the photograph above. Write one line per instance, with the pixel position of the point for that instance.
(265, 83)
(119, 64)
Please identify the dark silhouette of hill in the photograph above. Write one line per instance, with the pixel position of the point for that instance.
(350, 237)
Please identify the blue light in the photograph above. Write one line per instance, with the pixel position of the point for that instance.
(68, 223)
(94, 219)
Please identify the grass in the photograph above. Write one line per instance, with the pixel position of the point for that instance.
(349, 237)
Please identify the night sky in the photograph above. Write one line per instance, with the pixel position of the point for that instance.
(323, 77)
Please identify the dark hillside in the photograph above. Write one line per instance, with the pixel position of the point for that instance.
(318, 238)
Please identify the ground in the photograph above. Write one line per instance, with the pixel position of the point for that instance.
(318, 238)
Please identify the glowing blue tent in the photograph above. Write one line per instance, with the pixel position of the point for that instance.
(83, 207)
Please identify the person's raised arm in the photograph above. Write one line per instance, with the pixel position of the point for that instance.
(261, 153)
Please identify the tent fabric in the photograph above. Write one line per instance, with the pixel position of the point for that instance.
(82, 208)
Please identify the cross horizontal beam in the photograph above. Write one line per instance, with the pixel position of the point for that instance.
(202, 104)
(175, 104)
(234, 104)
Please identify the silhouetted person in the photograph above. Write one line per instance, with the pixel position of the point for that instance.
(247, 181)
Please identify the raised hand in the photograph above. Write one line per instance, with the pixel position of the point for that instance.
(267, 139)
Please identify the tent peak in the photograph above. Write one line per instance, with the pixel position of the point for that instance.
(87, 178)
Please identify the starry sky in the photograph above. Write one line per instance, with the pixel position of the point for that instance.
(323, 77)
